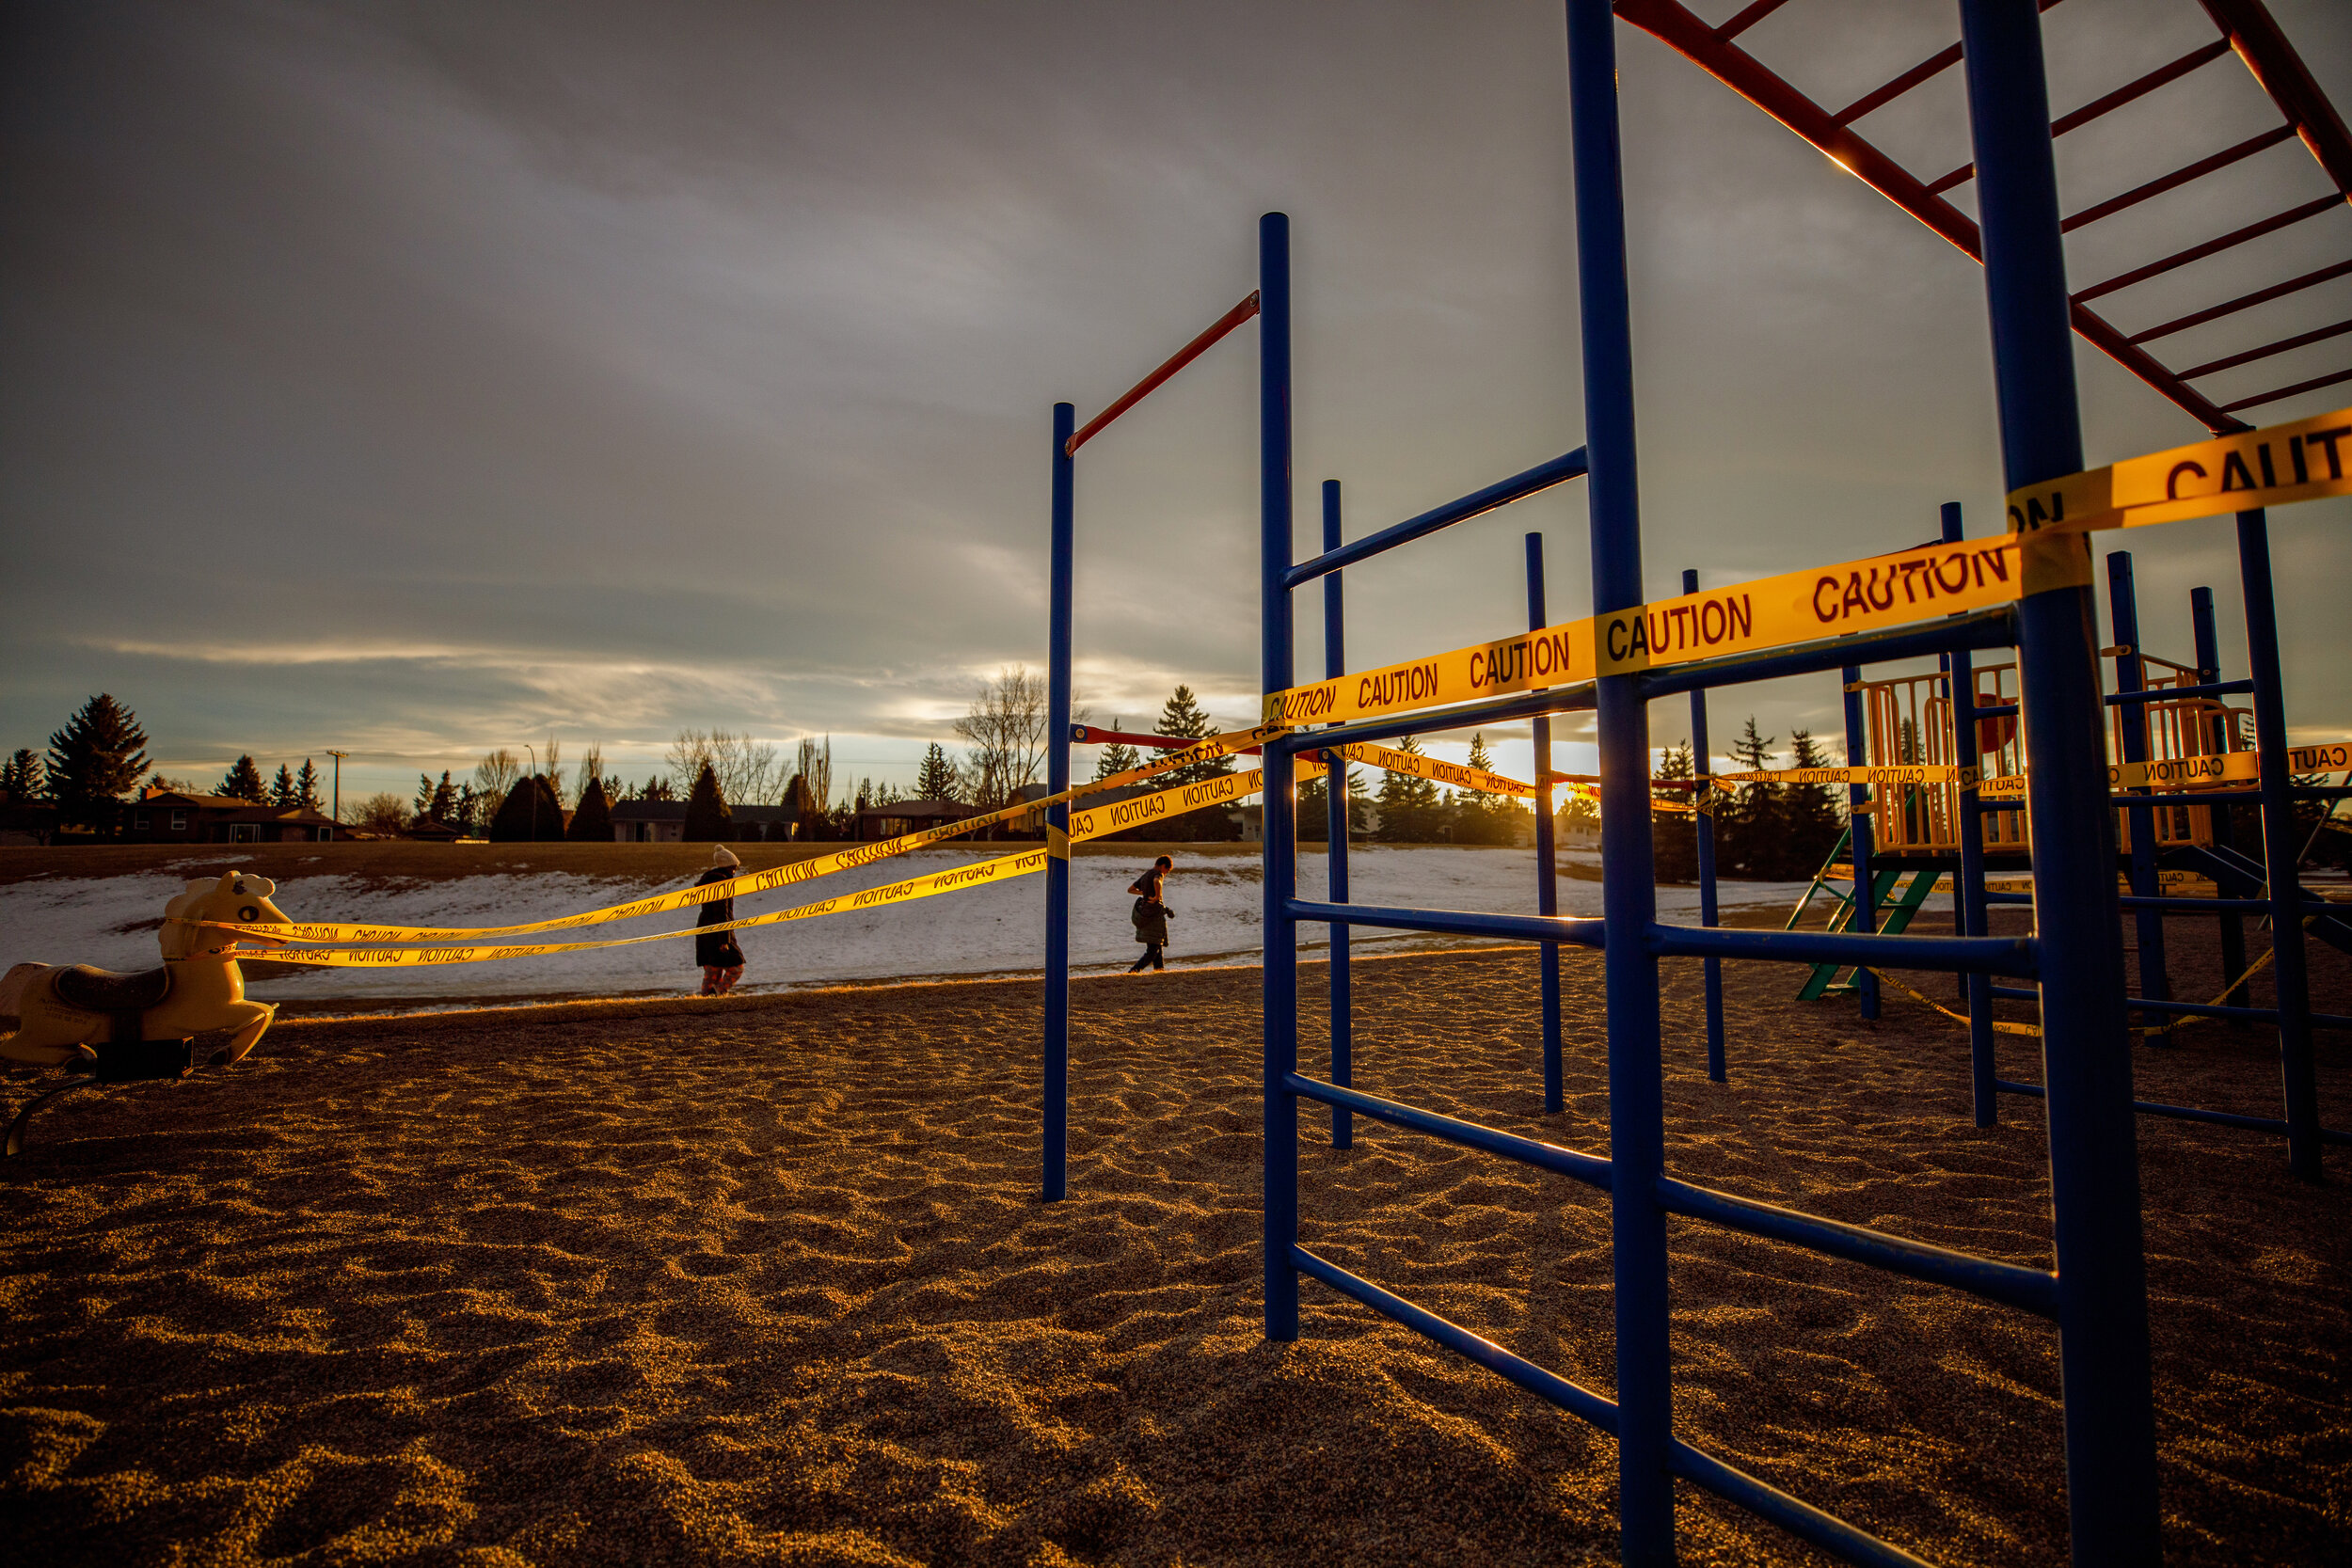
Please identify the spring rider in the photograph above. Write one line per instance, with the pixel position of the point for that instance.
(105, 1027)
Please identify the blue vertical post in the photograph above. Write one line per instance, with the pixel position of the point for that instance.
(1336, 802)
(1949, 518)
(1280, 849)
(2224, 833)
(2087, 1068)
(2131, 675)
(1637, 1127)
(1968, 888)
(1865, 917)
(2280, 849)
(1547, 860)
(1055, 1181)
(1702, 823)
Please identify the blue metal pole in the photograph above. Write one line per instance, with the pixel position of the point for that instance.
(1547, 860)
(1637, 1126)
(1055, 1181)
(1280, 849)
(2087, 1065)
(1703, 825)
(1865, 919)
(1968, 889)
(1336, 803)
(2131, 677)
(2224, 832)
(2280, 849)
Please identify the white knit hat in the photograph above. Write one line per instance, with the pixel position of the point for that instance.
(722, 855)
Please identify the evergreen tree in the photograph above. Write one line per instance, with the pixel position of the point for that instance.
(657, 788)
(424, 803)
(1481, 759)
(1811, 821)
(592, 821)
(1674, 835)
(1117, 757)
(1183, 717)
(808, 814)
(937, 780)
(1481, 815)
(242, 781)
(1408, 805)
(1314, 811)
(21, 781)
(1749, 827)
(708, 819)
(307, 788)
(465, 811)
(531, 813)
(95, 760)
(281, 789)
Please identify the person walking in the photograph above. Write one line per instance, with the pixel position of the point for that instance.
(1152, 915)
(718, 952)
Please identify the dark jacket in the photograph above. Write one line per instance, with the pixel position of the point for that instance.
(1150, 915)
(717, 949)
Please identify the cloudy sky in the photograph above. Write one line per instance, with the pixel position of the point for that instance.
(421, 379)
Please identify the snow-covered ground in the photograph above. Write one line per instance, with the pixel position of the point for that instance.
(986, 930)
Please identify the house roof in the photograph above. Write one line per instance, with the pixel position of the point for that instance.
(916, 810)
(674, 811)
(230, 808)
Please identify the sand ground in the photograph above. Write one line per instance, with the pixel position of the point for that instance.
(772, 1284)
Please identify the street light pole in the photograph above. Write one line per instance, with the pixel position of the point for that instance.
(339, 783)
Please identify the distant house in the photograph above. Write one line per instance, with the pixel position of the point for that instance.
(173, 816)
(911, 817)
(432, 830)
(27, 823)
(664, 822)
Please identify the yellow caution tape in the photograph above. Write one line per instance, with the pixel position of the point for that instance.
(1090, 823)
(1119, 816)
(1831, 601)
(1432, 769)
(1207, 750)
(1964, 777)
(2216, 767)
(1769, 613)
(1556, 656)
(976, 875)
(2301, 461)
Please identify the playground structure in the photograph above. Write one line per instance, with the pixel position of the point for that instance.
(2024, 740)
(2047, 702)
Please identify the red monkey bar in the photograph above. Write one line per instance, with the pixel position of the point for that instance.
(1150, 384)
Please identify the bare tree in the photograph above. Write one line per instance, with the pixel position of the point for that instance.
(384, 814)
(813, 761)
(750, 772)
(496, 773)
(591, 767)
(686, 757)
(554, 763)
(1006, 731)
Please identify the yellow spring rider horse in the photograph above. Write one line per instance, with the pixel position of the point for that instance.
(120, 1028)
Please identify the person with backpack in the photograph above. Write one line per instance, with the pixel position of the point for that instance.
(1150, 916)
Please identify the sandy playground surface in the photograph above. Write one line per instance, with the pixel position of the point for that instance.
(771, 1284)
